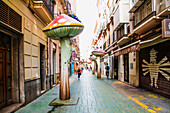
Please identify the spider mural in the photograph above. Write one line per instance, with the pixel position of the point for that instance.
(154, 68)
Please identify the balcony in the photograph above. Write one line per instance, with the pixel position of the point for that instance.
(122, 35)
(44, 9)
(146, 26)
(68, 6)
(111, 7)
(121, 14)
(145, 19)
(123, 40)
(135, 5)
(163, 8)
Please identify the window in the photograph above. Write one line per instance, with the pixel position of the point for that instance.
(137, 17)
(149, 7)
(104, 46)
(120, 32)
(113, 36)
(109, 40)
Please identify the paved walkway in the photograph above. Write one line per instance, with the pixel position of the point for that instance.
(99, 96)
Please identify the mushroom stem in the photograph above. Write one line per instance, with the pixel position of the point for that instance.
(64, 79)
(98, 69)
(93, 68)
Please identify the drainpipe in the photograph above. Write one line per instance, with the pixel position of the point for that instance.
(47, 59)
(50, 62)
(153, 5)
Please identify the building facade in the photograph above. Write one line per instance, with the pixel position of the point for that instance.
(30, 61)
(135, 37)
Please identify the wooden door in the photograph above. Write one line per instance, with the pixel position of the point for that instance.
(3, 94)
(116, 68)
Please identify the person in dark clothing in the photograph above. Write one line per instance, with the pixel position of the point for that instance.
(79, 73)
(107, 70)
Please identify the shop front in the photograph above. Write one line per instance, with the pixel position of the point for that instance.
(154, 68)
(125, 63)
(11, 58)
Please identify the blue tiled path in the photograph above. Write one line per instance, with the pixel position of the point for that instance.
(96, 96)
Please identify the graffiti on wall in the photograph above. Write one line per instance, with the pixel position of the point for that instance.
(155, 68)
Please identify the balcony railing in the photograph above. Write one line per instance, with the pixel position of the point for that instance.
(145, 19)
(68, 6)
(49, 5)
(161, 5)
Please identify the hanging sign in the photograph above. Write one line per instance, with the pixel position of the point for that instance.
(166, 28)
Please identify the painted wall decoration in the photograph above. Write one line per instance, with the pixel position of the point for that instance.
(154, 68)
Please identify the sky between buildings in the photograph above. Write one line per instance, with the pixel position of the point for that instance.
(87, 13)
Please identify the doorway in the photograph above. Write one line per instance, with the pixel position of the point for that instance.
(126, 67)
(116, 67)
(3, 88)
(5, 70)
(42, 67)
(54, 67)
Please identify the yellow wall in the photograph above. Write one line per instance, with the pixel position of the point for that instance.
(33, 36)
(133, 72)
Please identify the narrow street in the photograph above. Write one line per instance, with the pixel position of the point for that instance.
(118, 48)
(100, 96)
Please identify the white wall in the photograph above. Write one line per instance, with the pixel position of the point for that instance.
(121, 14)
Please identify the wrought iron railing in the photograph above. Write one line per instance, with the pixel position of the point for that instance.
(161, 5)
(145, 19)
(68, 6)
(49, 5)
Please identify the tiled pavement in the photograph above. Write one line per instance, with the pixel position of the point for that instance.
(98, 96)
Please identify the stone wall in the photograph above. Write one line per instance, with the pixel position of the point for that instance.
(32, 90)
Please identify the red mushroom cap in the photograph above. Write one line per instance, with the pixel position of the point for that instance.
(98, 52)
(93, 57)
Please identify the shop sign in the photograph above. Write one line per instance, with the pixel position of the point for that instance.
(166, 28)
(128, 50)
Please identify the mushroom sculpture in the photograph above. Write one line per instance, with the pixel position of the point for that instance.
(81, 61)
(88, 64)
(93, 58)
(98, 53)
(63, 28)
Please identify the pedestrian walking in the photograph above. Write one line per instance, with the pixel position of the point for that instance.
(107, 70)
(79, 72)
